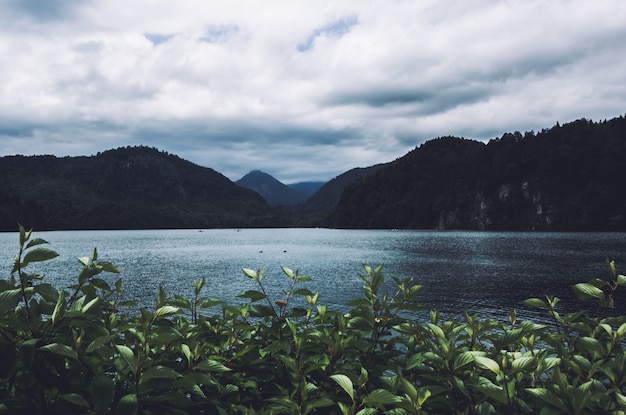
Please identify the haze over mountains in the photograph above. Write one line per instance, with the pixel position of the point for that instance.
(567, 177)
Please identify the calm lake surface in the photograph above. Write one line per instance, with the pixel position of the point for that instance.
(488, 273)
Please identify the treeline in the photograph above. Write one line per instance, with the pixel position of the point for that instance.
(566, 178)
(125, 188)
(569, 177)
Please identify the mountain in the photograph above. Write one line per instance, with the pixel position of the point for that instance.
(273, 191)
(568, 177)
(327, 197)
(565, 178)
(125, 188)
(308, 189)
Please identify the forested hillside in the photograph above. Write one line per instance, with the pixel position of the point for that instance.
(126, 188)
(569, 177)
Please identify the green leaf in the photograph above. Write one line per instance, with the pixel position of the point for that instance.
(250, 273)
(102, 390)
(128, 405)
(23, 236)
(345, 409)
(108, 267)
(535, 303)
(89, 305)
(35, 242)
(487, 363)
(424, 394)
(414, 361)
(363, 378)
(522, 363)
(548, 363)
(437, 331)
(86, 273)
(548, 397)
(38, 255)
(47, 291)
(289, 362)
(75, 399)
(127, 356)
(9, 299)
(620, 399)
(198, 286)
(210, 366)
(590, 344)
(380, 397)
(611, 265)
(99, 342)
(164, 311)
(84, 260)
(94, 255)
(345, 383)
(59, 308)
(260, 310)
(621, 280)
(491, 390)
(187, 352)
(510, 337)
(161, 297)
(159, 372)
(317, 403)
(60, 349)
(360, 323)
(462, 360)
(585, 290)
(303, 292)
(253, 295)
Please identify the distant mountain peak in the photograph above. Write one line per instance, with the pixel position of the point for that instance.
(272, 190)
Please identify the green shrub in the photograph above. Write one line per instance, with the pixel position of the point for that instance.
(72, 351)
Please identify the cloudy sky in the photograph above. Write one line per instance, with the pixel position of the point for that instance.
(303, 90)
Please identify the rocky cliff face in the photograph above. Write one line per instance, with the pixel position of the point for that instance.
(490, 208)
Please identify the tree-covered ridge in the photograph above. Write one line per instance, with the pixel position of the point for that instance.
(125, 188)
(569, 177)
(566, 178)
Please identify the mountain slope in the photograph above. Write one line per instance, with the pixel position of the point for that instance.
(273, 191)
(568, 177)
(327, 197)
(308, 189)
(126, 188)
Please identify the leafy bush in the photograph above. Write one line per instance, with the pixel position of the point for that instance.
(72, 351)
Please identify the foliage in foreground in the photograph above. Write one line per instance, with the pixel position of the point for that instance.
(74, 352)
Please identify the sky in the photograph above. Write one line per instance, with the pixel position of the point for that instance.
(302, 90)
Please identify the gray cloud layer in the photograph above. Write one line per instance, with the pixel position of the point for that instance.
(302, 90)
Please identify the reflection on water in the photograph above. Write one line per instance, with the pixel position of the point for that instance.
(483, 272)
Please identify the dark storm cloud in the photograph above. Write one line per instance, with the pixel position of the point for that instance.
(300, 89)
(416, 102)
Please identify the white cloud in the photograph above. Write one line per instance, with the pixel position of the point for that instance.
(304, 89)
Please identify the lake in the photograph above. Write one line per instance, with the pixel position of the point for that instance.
(488, 273)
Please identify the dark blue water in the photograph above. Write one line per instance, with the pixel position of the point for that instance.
(488, 273)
